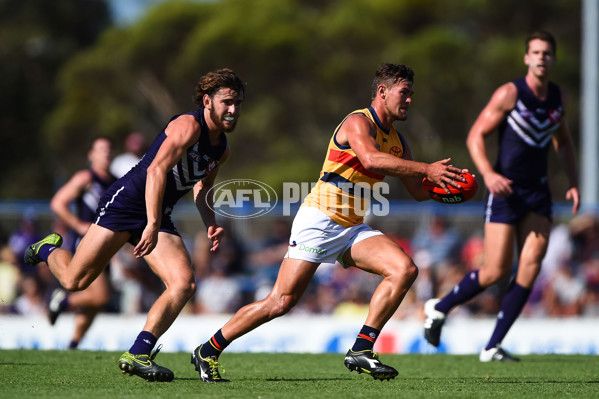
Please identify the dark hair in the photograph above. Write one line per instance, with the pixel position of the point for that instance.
(389, 74)
(213, 81)
(541, 35)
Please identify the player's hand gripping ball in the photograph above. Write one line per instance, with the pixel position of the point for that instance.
(457, 196)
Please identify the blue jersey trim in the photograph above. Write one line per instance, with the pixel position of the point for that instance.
(342, 147)
(345, 185)
(377, 120)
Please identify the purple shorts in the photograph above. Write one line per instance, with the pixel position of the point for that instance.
(510, 210)
(116, 212)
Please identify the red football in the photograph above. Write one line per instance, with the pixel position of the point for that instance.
(457, 196)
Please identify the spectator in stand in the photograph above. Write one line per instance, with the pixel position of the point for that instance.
(564, 293)
(26, 233)
(31, 300)
(264, 263)
(560, 252)
(137, 289)
(217, 274)
(10, 275)
(439, 239)
(585, 233)
(424, 285)
(229, 258)
(590, 271)
(472, 254)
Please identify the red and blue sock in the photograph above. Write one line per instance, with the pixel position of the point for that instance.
(214, 346)
(366, 339)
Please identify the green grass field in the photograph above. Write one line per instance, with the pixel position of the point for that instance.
(86, 374)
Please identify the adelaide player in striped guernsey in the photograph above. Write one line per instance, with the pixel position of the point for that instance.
(137, 208)
(330, 226)
(529, 114)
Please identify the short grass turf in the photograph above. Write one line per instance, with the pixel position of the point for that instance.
(91, 374)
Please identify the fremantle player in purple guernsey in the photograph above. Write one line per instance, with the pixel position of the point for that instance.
(529, 114)
(137, 209)
(84, 189)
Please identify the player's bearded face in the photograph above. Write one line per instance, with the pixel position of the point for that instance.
(225, 109)
(224, 121)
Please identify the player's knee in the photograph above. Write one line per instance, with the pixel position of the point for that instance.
(187, 289)
(405, 271)
(281, 305)
(411, 272)
(74, 284)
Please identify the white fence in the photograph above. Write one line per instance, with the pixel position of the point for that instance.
(308, 334)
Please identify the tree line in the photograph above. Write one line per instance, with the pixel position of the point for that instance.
(69, 74)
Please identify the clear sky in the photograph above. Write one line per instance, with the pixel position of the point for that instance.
(127, 11)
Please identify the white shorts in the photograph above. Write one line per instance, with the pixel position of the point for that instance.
(315, 237)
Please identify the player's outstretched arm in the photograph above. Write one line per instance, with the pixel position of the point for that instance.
(414, 183)
(359, 132)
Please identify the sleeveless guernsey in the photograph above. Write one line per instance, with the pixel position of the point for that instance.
(343, 191)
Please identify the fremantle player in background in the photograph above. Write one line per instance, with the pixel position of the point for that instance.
(529, 114)
(84, 189)
(137, 209)
(330, 226)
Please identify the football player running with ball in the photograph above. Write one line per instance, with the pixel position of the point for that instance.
(529, 114)
(137, 208)
(329, 226)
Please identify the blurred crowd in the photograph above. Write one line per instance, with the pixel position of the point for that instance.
(243, 270)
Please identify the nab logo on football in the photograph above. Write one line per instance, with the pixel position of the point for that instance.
(242, 198)
(452, 199)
